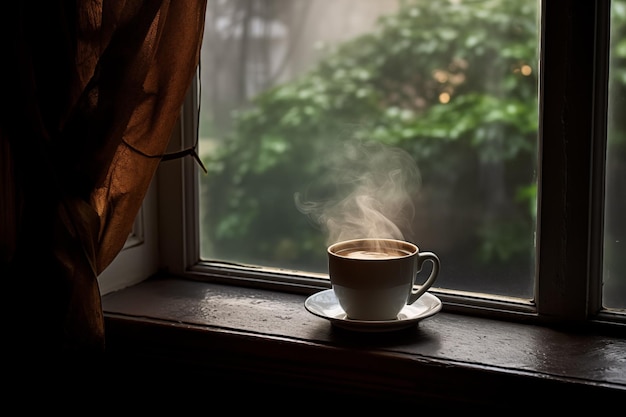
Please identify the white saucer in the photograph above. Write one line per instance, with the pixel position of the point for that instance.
(324, 304)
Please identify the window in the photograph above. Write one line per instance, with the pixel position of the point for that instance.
(511, 186)
(614, 261)
(452, 87)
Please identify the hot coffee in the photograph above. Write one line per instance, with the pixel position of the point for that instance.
(373, 253)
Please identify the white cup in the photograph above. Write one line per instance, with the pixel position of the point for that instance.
(373, 279)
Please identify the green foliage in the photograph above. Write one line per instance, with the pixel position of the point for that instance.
(617, 81)
(391, 86)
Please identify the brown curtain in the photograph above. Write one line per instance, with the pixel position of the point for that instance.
(91, 91)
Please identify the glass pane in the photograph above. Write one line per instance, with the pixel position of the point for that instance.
(327, 119)
(615, 221)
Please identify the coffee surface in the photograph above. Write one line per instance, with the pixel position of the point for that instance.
(373, 253)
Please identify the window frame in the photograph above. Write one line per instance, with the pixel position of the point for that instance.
(138, 259)
(572, 150)
(572, 129)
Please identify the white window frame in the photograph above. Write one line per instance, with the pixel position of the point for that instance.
(577, 300)
(138, 259)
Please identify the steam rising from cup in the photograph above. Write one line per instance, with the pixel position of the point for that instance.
(369, 192)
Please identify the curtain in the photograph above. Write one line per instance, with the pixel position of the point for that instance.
(90, 92)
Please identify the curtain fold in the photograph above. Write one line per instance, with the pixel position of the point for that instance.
(91, 89)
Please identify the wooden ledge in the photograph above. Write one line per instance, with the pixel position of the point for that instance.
(266, 342)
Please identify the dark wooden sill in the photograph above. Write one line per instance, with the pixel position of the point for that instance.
(217, 339)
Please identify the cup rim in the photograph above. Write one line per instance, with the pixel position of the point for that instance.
(348, 242)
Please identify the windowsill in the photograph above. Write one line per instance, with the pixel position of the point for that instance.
(259, 338)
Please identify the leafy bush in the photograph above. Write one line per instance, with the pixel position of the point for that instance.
(452, 84)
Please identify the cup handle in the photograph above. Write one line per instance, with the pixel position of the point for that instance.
(417, 291)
